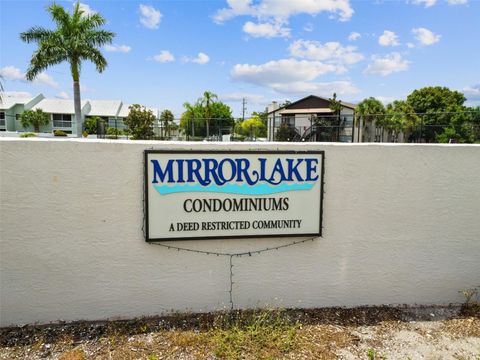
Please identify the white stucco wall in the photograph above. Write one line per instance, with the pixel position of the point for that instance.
(401, 225)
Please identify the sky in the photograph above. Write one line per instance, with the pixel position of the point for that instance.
(167, 52)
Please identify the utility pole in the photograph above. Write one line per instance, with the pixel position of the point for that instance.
(244, 108)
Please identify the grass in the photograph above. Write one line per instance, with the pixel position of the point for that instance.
(372, 355)
(261, 334)
(267, 334)
(471, 306)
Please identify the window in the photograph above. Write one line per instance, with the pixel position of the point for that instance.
(62, 120)
(288, 119)
(2, 118)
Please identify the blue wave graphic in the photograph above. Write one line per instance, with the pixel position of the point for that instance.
(260, 189)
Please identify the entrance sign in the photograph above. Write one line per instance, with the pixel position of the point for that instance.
(232, 194)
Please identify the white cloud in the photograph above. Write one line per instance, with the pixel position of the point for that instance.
(164, 56)
(267, 30)
(14, 73)
(87, 10)
(118, 48)
(62, 95)
(386, 99)
(201, 59)
(410, 45)
(388, 38)
(283, 9)
(427, 3)
(149, 16)
(472, 92)
(292, 76)
(387, 65)
(250, 98)
(354, 36)
(308, 27)
(425, 37)
(281, 71)
(331, 52)
(457, 2)
(20, 94)
(44, 78)
(322, 88)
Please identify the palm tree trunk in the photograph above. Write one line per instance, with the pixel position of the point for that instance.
(78, 107)
(76, 99)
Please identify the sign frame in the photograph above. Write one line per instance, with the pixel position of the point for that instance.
(194, 151)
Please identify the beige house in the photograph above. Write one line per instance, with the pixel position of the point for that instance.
(311, 119)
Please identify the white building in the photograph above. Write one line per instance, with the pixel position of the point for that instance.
(62, 112)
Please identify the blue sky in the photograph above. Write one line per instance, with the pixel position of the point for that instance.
(169, 52)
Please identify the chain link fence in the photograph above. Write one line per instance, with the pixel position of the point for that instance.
(445, 127)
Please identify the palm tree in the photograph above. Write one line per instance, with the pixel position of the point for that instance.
(36, 118)
(166, 117)
(76, 38)
(189, 116)
(371, 113)
(207, 100)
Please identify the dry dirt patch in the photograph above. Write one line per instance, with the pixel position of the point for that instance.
(335, 333)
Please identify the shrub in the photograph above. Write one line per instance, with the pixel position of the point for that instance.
(269, 334)
(35, 118)
(28, 134)
(112, 131)
(140, 122)
(285, 133)
(59, 133)
(90, 125)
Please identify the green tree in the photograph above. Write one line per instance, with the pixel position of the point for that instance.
(253, 127)
(475, 113)
(460, 130)
(76, 38)
(35, 118)
(140, 122)
(370, 112)
(440, 109)
(192, 121)
(166, 117)
(336, 107)
(90, 124)
(263, 115)
(222, 118)
(401, 118)
(207, 100)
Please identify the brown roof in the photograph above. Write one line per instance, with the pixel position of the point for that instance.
(312, 102)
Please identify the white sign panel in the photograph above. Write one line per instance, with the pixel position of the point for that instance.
(232, 194)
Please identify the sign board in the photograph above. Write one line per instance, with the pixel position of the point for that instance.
(232, 194)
